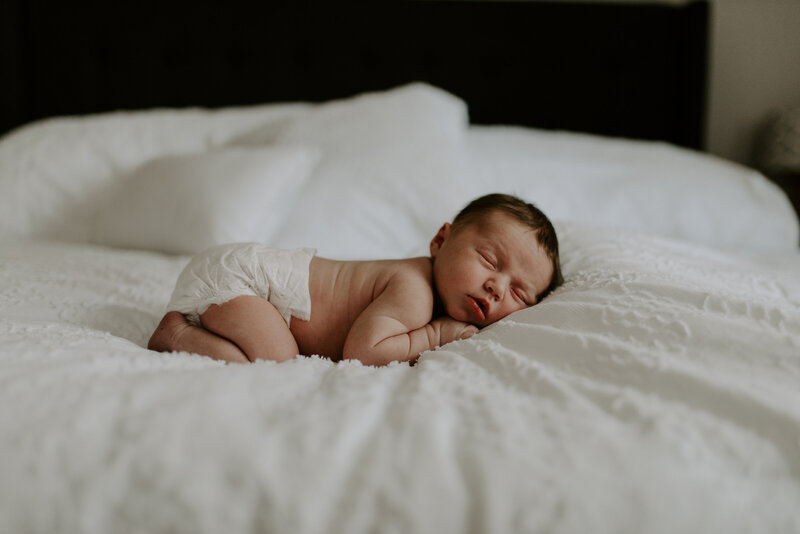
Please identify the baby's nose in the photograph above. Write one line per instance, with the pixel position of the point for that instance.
(495, 288)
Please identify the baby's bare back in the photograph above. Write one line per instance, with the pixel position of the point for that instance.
(342, 290)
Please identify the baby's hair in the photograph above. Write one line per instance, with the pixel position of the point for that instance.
(527, 214)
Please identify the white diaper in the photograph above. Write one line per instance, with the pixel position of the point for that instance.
(224, 272)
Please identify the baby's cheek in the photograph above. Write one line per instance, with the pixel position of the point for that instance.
(512, 309)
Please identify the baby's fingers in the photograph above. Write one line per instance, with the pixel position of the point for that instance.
(468, 332)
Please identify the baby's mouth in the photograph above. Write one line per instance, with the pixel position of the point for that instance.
(479, 307)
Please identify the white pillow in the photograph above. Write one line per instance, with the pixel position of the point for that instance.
(644, 186)
(51, 171)
(183, 204)
(390, 172)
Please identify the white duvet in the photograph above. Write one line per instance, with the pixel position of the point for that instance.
(658, 390)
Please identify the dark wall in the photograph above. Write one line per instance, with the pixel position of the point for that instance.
(615, 69)
(12, 95)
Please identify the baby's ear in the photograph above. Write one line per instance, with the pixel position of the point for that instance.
(438, 239)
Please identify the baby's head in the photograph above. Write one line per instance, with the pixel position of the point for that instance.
(499, 255)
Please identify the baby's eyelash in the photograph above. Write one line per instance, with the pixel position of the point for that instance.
(521, 296)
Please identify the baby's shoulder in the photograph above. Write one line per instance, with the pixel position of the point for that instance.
(412, 276)
(409, 286)
(411, 271)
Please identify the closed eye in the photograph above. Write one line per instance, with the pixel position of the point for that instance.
(521, 297)
(488, 261)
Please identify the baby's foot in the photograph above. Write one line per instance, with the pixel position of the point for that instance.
(168, 332)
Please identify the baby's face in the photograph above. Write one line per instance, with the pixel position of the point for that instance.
(488, 269)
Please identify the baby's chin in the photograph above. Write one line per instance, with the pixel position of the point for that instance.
(463, 316)
(459, 314)
(483, 324)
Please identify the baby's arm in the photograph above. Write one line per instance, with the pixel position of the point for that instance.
(396, 327)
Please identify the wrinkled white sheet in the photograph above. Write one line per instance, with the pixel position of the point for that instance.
(657, 391)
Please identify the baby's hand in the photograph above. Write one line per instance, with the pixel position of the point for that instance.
(449, 329)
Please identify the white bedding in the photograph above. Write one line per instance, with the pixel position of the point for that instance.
(658, 390)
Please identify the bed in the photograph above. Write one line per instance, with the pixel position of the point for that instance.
(657, 390)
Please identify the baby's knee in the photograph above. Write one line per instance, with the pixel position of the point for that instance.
(254, 325)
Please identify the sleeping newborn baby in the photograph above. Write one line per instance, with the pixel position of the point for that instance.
(242, 302)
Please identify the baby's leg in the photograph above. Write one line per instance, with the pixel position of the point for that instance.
(175, 333)
(254, 325)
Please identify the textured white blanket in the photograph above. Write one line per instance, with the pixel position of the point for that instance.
(657, 391)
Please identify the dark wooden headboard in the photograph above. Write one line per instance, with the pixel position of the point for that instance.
(633, 70)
